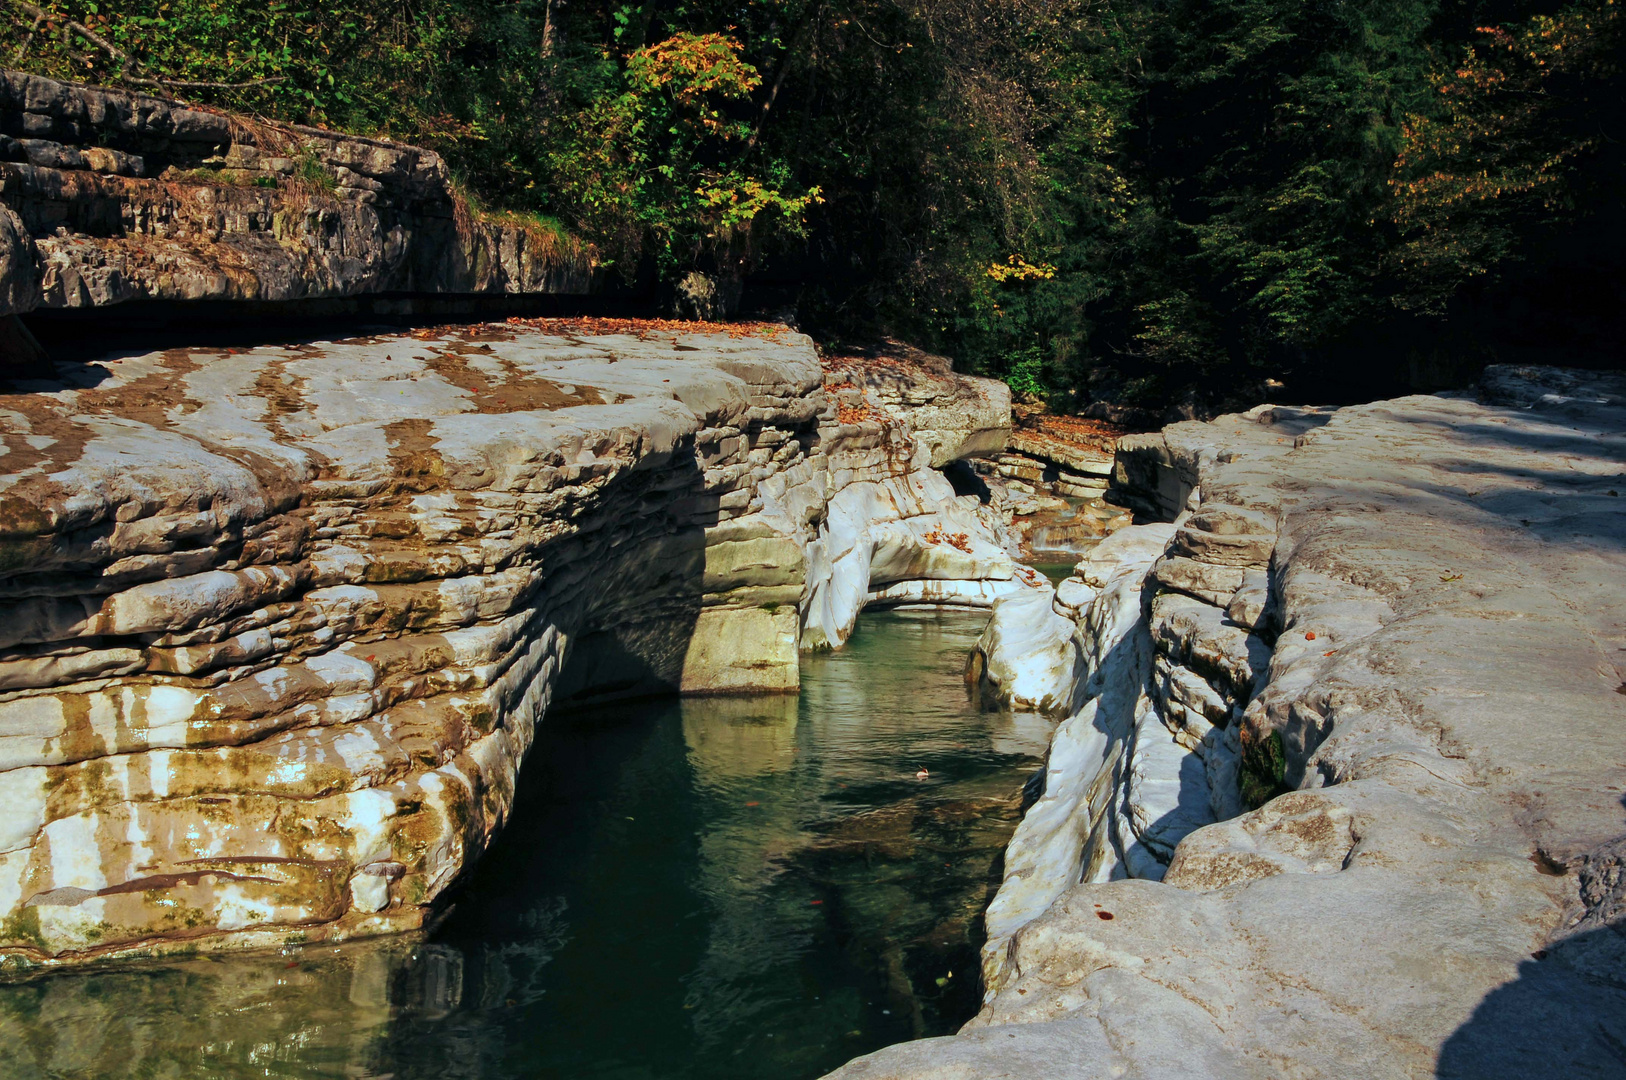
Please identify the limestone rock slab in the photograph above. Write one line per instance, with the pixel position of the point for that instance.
(280, 622)
(1427, 724)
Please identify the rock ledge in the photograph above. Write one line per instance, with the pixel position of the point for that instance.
(1401, 627)
(279, 623)
(108, 196)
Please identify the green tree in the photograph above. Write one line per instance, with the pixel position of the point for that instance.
(662, 163)
(1526, 142)
(1148, 202)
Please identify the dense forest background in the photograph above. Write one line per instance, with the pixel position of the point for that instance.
(1146, 204)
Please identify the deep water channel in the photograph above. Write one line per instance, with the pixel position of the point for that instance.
(751, 887)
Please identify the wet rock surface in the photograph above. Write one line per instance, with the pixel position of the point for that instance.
(1397, 630)
(280, 622)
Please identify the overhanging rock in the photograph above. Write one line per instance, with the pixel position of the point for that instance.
(279, 623)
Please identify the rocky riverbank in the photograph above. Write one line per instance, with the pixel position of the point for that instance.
(1345, 796)
(1052, 477)
(280, 623)
(1339, 788)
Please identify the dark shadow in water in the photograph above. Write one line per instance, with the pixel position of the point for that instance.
(745, 887)
(702, 888)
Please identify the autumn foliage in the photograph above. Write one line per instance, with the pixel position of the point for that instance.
(1154, 208)
(1502, 150)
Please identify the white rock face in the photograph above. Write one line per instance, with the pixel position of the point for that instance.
(279, 624)
(951, 416)
(1029, 657)
(905, 530)
(1067, 834)
(1418, 675)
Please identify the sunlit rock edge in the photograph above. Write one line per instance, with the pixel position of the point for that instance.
(1399, 627)
(279, 623)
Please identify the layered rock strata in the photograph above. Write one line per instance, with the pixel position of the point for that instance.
(1053, 467)
(1052, 478)
(108, 196)
(280, 623)
(1398, 629)
(952, 417)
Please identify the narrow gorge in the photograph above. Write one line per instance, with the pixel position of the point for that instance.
(282, 620)
(1319, 720)
(1345, 792)
(279, 640)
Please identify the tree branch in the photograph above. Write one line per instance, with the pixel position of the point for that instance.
(779, 79)
(41, 15)
(22, 50)
(127, 63)
(182, 84)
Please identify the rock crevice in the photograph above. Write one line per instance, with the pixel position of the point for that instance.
(1396, 629)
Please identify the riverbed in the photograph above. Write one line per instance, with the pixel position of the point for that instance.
(699, 888)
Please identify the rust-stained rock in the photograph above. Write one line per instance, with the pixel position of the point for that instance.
(277, 625)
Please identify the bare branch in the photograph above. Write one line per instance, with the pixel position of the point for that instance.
(182, 84)
(811, 13)
(22, 50)
(79, 28)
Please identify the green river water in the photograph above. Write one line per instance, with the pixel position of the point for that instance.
(710, 888)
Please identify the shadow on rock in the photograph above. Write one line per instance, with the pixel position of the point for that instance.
(1565, 1015)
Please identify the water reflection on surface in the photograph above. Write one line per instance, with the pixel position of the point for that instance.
(738, 887)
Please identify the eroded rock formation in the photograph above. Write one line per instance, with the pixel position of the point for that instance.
(951, 416)
(1029, 658)
(1400, 627)
(1050, 464)
(279, 623)
(108, 196)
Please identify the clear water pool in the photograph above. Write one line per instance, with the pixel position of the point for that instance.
(711, 888)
